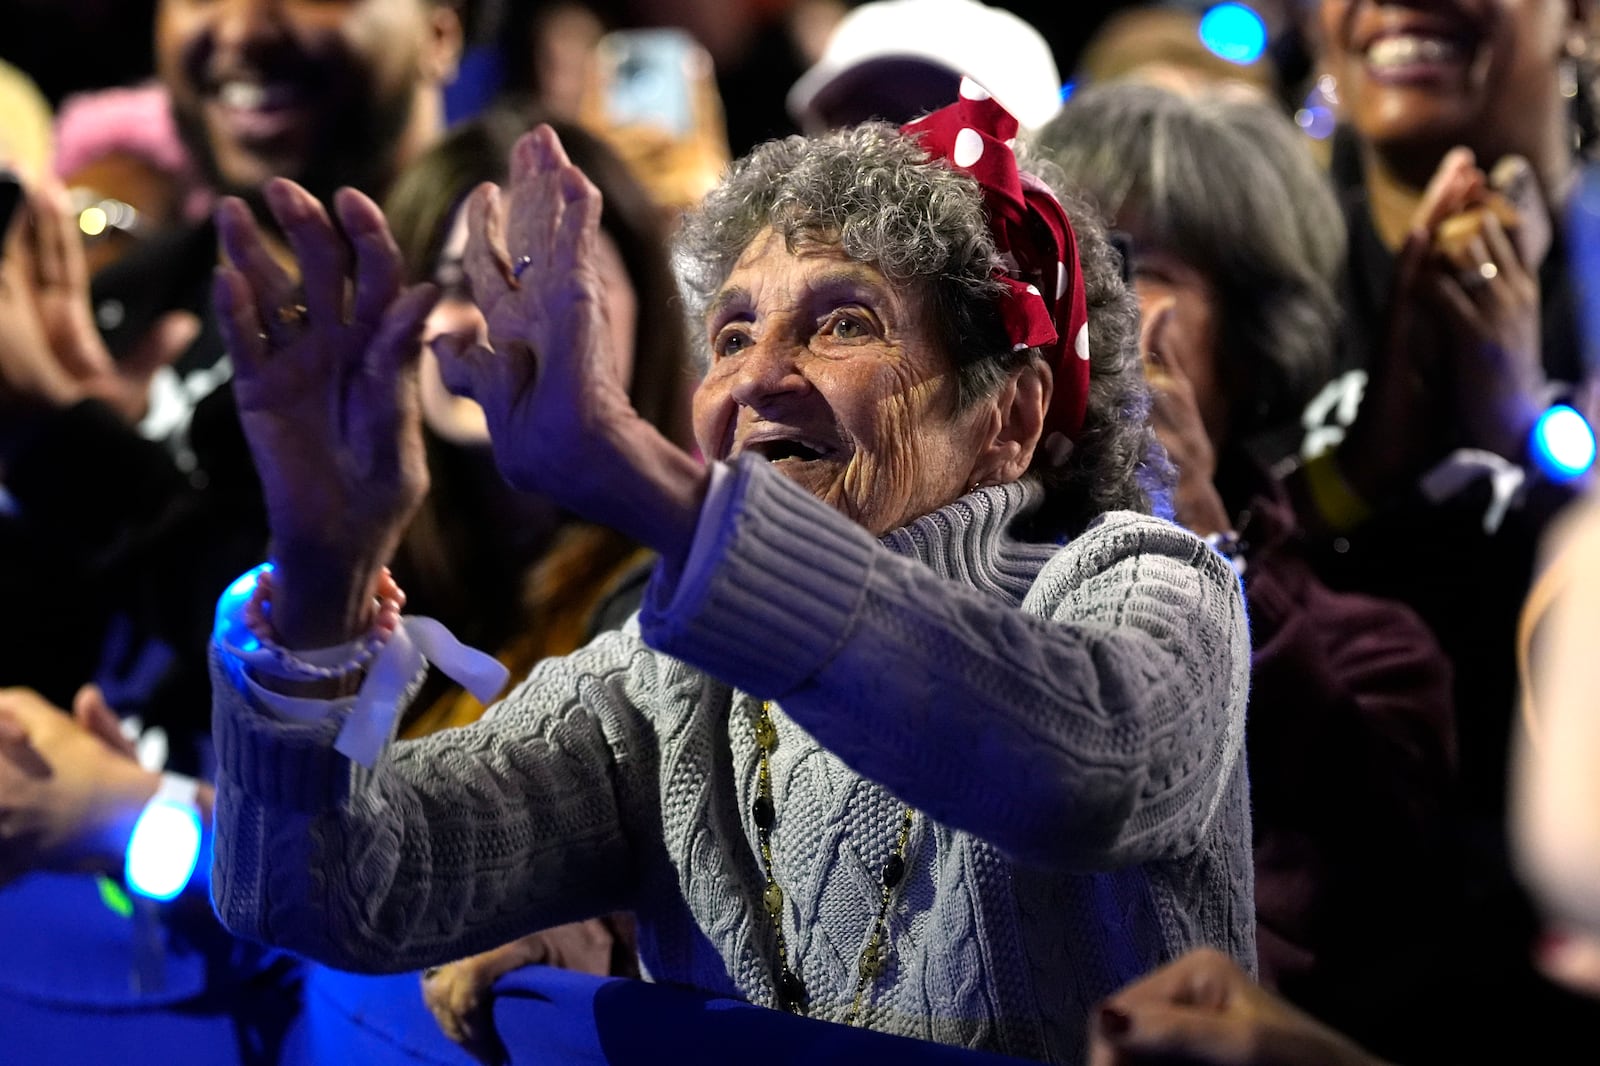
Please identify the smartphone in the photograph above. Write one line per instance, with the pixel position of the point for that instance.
(10, 201)
(648, 78)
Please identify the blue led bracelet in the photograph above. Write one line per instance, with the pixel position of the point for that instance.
(1562, 443)
(165, 846)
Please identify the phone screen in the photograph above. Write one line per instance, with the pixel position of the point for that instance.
(10, 200)
(648, 78)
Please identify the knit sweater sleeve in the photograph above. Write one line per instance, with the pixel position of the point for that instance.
(1095, 727)
(453, 843)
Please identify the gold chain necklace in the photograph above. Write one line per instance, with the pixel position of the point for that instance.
(789, 989)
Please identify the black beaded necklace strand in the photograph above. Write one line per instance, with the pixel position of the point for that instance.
(789, 989)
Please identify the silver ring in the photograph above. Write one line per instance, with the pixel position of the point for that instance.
(523, 263)
(431, 972)
(1479, 277)
(292, 314)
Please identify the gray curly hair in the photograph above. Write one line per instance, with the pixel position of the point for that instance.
(874, 192)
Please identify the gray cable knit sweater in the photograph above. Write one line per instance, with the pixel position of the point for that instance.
(1069, 721)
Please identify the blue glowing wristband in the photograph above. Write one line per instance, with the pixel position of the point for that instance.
(1562, 443)
(165, 846)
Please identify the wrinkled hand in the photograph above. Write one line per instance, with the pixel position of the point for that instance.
(1488, 298)
(459, 993)
(327, 398)
(1203, 1009)
(559, 417)
(1175, 416)
(70, 789)
(51, 354)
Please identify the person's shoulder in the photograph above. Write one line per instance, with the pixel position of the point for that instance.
(1145, 546)
(1134, 531)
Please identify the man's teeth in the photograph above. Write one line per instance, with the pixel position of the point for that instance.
(1402, 50)
(253, 95)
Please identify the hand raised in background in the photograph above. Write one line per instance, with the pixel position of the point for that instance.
(51, 354)
(1175, 416)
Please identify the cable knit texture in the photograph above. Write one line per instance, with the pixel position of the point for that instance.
(1069, 721)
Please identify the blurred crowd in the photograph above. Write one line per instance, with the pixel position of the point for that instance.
(1363, 236)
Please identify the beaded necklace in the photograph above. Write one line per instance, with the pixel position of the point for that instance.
(790, 990)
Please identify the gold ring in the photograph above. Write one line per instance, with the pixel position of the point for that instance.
(1488, 271)
(292, 314)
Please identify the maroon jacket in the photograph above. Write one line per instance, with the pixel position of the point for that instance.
(1351, 740)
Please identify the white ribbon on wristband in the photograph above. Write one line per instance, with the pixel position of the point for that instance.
(391, 666)
(416, 640)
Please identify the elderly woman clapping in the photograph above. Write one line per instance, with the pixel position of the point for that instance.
(924, 724)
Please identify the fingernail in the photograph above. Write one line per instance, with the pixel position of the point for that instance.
(1114, 1022)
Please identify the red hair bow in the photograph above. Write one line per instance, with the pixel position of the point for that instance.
(1046, 307)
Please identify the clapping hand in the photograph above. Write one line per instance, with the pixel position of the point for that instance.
(1175, 416)
(1399, 431)
(325, 376)
(1487, 295)
(559, 417)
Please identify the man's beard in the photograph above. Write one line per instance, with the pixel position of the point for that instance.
(358, 150)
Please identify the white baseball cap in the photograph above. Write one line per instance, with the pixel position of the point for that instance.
(875, 45)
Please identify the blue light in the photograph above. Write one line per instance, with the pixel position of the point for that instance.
(1067, 89)
(229, 629)
(1563, 443)
(164, 848)
(1234, 32)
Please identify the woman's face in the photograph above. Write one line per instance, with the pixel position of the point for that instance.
(1475, 72)
(830, 371)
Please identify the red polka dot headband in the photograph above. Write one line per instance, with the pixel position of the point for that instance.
(1038, 249)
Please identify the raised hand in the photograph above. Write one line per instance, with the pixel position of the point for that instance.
(1175, 416)
(51, 354)
(557, 408)
(1487, 294)
(325, 378)
(1399, 430)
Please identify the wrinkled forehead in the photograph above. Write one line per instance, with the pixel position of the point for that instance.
(777, 269)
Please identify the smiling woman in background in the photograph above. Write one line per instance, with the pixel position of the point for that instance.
(1467, 127)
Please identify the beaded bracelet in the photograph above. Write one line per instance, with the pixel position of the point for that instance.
(388, 601)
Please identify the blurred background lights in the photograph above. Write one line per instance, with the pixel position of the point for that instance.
(1234, 32)
(1563, 443)
(1316, 115)
(92, 221)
